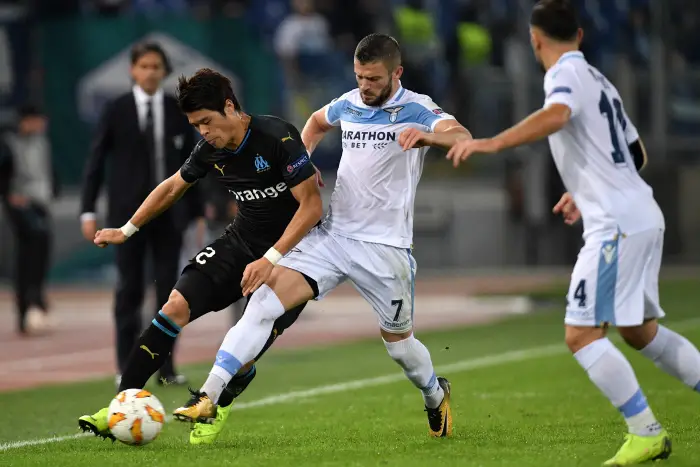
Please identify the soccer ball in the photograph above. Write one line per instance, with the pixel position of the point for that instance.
(136, 417)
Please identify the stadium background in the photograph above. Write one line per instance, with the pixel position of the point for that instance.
(484, 229)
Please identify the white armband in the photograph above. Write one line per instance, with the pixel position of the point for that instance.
(129, 229)
(273, 256)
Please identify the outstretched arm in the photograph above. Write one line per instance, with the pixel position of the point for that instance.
(157, 202)
(313, 132)
(160, 199)
(535, 127)
(315, 129)
(563, 101)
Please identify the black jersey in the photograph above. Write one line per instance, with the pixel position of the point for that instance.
(270, 161)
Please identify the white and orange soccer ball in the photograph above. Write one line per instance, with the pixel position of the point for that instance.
(136, 417)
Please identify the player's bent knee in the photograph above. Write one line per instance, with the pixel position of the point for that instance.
(640, 336)
(177, 309)
(292, 287)
(403, 351)
(264, 306)
(577, 337)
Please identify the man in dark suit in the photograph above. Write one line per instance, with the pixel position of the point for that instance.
(143, 137)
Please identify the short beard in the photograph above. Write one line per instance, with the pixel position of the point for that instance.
(381, 98)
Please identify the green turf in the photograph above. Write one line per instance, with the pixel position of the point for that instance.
(540, 411)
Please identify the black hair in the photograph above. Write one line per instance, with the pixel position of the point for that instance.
(379, 47)
(206, 89)
(556, 18)
(142, 48)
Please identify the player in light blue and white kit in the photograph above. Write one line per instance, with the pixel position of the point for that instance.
(367, 235)
(376, 184)
(598, 153)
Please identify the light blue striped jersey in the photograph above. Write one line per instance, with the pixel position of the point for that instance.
(376, 183)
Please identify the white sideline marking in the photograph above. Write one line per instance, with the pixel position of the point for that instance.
(457, 367)
(464, 365)
(37, 442)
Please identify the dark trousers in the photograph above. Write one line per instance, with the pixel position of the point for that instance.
(163, 242)
(32, 228)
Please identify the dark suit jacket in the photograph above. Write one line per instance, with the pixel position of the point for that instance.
(119, 144)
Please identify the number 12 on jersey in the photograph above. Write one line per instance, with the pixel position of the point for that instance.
(614, 114)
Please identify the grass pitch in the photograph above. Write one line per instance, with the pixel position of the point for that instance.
(519, 399)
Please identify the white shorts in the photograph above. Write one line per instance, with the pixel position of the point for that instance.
(384, 275)
(616, 282)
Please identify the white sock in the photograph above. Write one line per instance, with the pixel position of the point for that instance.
(676, 355)
(214, 386)
(244, 341)
(614, 376)
(415, 360)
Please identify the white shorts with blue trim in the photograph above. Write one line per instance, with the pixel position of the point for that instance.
(384, 275)
(616, 281)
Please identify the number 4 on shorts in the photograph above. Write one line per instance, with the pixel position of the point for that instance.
(399, 305)
(580, 293)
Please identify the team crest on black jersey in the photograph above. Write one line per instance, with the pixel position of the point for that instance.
(394, 113)
(261, 165)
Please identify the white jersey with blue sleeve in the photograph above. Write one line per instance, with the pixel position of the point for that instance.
(376, 183)
(615, 279)
(591, 152)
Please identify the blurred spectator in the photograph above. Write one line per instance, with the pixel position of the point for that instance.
(27, 187)
(303, 43)
(302, 38)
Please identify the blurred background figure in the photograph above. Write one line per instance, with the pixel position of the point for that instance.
(145, 138)
(303, 44)
(27, 187)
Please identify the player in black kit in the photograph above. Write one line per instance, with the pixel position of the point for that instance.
(263, 163)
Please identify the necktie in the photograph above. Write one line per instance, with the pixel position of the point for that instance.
(149, 135)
